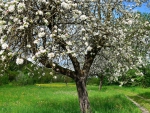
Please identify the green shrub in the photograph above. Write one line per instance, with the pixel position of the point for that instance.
(4, 79)
(93, 81)
(23, 79)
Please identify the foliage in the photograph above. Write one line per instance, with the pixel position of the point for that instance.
(136, 78)
(145, 82)
(23, 79)
(93, 81)
(27, 73)
(4, 79)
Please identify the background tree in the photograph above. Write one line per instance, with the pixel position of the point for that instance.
(117, 63)
(67, 36)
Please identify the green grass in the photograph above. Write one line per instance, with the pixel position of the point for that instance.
(59, 98)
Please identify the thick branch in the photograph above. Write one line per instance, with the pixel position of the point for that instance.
(74, 60)
(89, 58)
(62, 70)
(57, 68)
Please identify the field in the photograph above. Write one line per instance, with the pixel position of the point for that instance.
(59, 98)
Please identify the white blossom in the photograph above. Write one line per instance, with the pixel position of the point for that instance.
(2, 41)
(132, 80)
(53, 65)
(28, 46)
(51, 73)
(43, 1)
(37, 41)
(86, 43)
(38, 54)
(39, 12)
(69, 51)
(4, 46)
(3, 57)
(43, 51)
(1, 31)
(19, 61)
(10, 54)
(11, 8)
(50, 55)
(83, 17)
(15, 19)
(41, 34)
(21, 27)
(121, 84)
(95, 33)
(45, 21)
(69, 43)
(43, 74)
(55, 77)
(65, 5)
(1, 52)
(84, 38)
(42, 29)
(89, 48)
(74, 55)
(63, 36)
(21, 7)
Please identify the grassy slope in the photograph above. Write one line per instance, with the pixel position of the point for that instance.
(58, 98)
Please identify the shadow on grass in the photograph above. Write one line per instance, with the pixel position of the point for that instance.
(145, 95)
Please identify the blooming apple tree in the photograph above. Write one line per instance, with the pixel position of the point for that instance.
(67, 35)
(116, 62)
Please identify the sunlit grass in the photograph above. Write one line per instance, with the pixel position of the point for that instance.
(56, 85)
(59, 98)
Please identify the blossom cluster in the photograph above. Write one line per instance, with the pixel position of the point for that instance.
(64, 30)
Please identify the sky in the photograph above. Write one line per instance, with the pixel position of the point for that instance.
(143, 9)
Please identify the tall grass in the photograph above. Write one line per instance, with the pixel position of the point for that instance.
(59, 98)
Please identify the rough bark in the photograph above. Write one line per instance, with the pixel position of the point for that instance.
(101, 82)
(83, 96)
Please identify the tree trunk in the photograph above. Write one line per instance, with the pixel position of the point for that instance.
(101, 82)
(83, 96)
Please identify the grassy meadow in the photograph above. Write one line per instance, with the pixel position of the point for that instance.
(59, 98)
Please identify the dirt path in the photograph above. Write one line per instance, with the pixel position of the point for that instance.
(138, 105)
